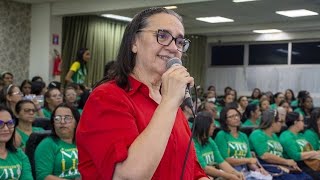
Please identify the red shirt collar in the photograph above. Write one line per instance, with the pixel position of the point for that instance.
(136, 85)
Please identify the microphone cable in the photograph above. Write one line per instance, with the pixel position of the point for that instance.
(194, 112)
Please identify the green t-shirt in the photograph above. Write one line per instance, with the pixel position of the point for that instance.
(294, 144)
(273, 106)
(79, 74)
(313, 138)
(300, 111)
(208, 155)
(46, 112)
(234, 147)
(56, 157)
(249, 123)
(255, 101)
(25, 137)
(15, 166)
(263, 143)
(294, 103)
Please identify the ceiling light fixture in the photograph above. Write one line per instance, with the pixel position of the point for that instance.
(297, 13)
(240, 1)
(117, 17)
(265, 31)
(171, 7)
(215, 19)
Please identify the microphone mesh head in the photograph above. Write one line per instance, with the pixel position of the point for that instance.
(173, 61)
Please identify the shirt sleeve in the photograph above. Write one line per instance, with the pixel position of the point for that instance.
(26, 168)
(258, 142)
(217, 156)
(44, 159)
(201, 160)
(75, 66)
(312, 138)
(290, 147)
(222, 144)
(106, 130)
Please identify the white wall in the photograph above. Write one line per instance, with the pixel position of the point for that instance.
(40, 41)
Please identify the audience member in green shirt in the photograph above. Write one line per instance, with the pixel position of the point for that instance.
(242, 104)
(290, 98)
(251, 115)
(26, 112)
(14, 164)
(305, 106)
(267, 146)
(264, 105)
(295, 146)
(312, 134)
(57, 156)
(278, 97)
(207, 151)
(52, 98)
(233, 144)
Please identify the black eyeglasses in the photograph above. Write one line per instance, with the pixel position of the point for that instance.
(29, 110)
(10, 124)
(66, 118)
(165, 38)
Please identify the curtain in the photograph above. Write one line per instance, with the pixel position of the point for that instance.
(195, 59)
(100, 35)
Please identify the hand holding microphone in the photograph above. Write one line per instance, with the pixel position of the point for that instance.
(176, 82)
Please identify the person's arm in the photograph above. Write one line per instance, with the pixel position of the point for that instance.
(310, 155)
(44, 159)
(241, 161)
(69, 76)
(51, 177)
(230, 170)
(74, 68)
(26, 168)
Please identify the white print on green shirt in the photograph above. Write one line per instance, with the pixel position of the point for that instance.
(275, 148)
(69, 155)
(209, 157)
(303, 145)
(10, 172)
(237, 149)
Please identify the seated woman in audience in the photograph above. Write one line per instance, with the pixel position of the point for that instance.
(26, 87)
(10, 95)
(289, 97)
(26, 113)
(285, 105)
(278, 97)
(56, 157)
(234, 145)
(255, 96)
(210, 107)
(228, 98)
(305, 106)
(312, 133)
(52, 98)
(264, 105)
(252, 115)
(301, 94)
(70, 96)
(243, 103)
(270, 98)
(14, 164)
(207, 151)
(267, 146)
(295, 146)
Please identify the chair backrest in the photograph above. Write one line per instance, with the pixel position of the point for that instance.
(43, 123)
(32, 143)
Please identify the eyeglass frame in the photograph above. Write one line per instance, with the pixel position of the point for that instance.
(233, 116)
(64, 118)
(11, 126)
(187, 41)
(28, 110)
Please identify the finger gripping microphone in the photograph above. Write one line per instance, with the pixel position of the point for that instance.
(187, 98)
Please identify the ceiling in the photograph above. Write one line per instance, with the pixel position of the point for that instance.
(247, 16)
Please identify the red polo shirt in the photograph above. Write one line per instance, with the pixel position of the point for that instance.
(110, 122)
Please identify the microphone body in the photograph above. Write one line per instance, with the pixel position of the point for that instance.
(187, 98)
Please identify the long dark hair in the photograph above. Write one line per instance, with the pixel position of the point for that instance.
(223, 117)
(125, 61)
(247, 113)
(75, 114)
(202, 125)
(313, 125)
(82, 62)
(10, 144)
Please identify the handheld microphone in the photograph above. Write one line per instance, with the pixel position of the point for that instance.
(187, 98)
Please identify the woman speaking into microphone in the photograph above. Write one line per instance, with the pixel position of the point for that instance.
(130, 128)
